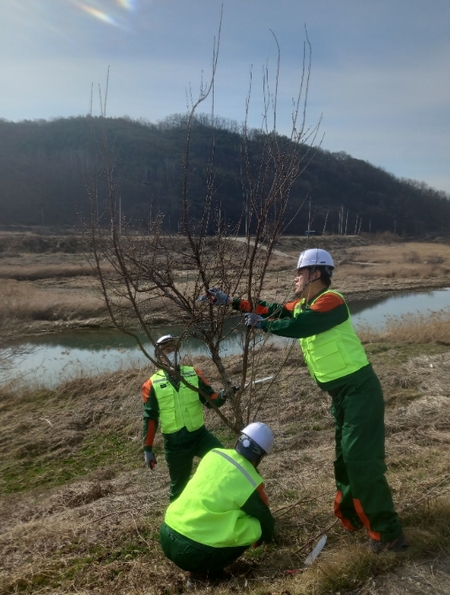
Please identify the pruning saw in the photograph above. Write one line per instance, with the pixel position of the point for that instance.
(259, 381)
(311, 556)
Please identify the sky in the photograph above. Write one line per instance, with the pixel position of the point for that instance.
(379, 84)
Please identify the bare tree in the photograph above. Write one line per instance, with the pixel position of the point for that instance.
(141, 273)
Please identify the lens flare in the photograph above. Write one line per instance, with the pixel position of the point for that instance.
(128, 4)
(98, 14)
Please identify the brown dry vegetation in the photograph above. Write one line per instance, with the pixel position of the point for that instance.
(46, 291)
(80, 513)
(50, 290)
(431, 327)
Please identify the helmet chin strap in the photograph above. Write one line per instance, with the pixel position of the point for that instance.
(308, 283)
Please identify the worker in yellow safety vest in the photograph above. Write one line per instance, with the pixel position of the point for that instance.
(320, 318)
(223, 509)
(178, 407)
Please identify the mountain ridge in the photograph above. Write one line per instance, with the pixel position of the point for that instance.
(45, 167)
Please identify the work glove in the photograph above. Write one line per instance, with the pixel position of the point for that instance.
(253, 320)
(150, 460)
(215, 296)
(223, 395)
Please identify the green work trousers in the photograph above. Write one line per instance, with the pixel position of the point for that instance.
(196, 557)
(363, 495)
(180, 448)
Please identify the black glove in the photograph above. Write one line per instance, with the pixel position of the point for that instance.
(150, 460)
(223, 395)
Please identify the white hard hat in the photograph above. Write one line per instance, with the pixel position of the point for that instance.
(315, 257)
(261, 434)
(166, 339)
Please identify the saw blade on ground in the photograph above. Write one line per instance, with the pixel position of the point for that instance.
(316, 551)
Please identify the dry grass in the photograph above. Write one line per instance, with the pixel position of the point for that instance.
(412, 260)
(429, 327)
(23, 300)
(58, 287)
(49, 287)
(80, 512)
(45, 271)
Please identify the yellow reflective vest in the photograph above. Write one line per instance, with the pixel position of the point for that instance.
(208, 510)
(178, 409)
(335, 353)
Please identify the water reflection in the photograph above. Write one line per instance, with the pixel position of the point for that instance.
(51, 359)
(374, 312)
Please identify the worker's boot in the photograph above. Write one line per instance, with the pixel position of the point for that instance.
(396, 545)
(196, 577)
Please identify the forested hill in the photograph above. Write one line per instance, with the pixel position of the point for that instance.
(44, 166)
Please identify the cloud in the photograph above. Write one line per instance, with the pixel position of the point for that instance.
(379, 76)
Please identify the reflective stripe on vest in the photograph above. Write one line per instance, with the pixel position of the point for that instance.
(236, 464)
(335, 353)
(208, 510)
(178, 409)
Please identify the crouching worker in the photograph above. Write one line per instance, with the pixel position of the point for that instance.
(179, 409)
(223, 509)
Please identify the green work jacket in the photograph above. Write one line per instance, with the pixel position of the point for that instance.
(208, 511)
(178, 409)
(334, 353)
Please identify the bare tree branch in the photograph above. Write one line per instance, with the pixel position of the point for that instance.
(141, 274)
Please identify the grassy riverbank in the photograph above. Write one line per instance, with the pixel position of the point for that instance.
(80, 513)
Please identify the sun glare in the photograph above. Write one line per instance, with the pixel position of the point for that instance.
(98, 14)
(128, 4)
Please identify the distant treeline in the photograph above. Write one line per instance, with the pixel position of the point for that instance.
(45, 167)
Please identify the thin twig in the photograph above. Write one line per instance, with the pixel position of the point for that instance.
(91, 522)
(288, 508)
(137, 531)
(315, 538)
(425, 495)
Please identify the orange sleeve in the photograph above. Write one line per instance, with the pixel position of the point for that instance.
(150, 436)
(213, 396)
(291, 305)
(146, 388)
(263, 494)
(201, 375)
(244, 306)
(327, 302)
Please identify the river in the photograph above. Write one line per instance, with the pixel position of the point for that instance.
(51, 359)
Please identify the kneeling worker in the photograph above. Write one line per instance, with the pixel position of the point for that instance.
(223, 509)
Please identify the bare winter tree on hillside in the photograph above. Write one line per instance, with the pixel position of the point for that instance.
(140, 274)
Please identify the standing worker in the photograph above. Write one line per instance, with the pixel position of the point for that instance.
(320, 319)
(179, 408)
(223, 509)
